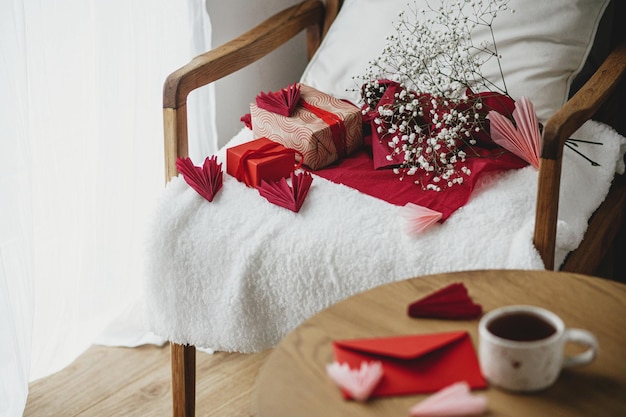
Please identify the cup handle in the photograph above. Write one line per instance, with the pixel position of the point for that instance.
(585, 338)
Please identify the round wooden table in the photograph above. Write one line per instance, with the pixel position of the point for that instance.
(293, 381)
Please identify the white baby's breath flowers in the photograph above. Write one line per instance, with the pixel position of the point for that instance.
(431, 123)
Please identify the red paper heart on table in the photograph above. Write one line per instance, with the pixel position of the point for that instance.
(282, 102)
(451, 302)
(281, 194)
(522, 138)
(206, 180)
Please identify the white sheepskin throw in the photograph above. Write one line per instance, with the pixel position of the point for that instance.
(239, 273)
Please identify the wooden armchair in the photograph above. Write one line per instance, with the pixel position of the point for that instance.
(598, 98)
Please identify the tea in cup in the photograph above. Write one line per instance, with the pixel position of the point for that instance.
(522, 348)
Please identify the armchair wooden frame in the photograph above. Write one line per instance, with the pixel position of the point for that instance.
(595, 99)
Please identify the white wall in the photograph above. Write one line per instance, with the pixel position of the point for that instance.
(280, 68)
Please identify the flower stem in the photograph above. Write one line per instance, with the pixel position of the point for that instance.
(593, 163)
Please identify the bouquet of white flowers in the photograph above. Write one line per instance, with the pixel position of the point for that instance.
(426, 98)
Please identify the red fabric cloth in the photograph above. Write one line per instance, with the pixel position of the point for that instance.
(357, 171)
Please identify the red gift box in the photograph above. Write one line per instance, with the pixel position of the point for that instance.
(260, 159)
(323, 128)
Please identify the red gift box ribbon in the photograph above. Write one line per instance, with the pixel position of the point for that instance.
(336, 124)
(242, 173)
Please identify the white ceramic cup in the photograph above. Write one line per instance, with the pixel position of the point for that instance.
(521, 348)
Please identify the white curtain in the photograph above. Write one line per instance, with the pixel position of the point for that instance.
(81, 161)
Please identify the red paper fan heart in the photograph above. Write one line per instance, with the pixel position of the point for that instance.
(206, 180)
(281, 194)
(246, 119)
(451, 302)
(282, 102)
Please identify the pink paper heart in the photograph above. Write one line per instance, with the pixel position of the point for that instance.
(522, 139)
(455, 400)
(359, 383)
(419, 218)
(206, 180)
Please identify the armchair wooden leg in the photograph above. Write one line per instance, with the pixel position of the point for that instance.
(183, 379)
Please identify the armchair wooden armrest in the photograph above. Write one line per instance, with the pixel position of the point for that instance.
(311, 15)
(580, 108)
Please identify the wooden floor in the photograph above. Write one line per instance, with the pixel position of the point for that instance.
(113, 381)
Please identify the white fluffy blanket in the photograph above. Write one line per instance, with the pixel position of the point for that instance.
(239, 273)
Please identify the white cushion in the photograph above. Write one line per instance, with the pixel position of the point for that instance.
(543, 45)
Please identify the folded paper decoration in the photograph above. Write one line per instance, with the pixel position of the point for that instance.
(283, 102)
(260, 159)
(524, 138)
(246, 119)
(358, 383)
(206, 180)
(281, 194)
(419, 218)
(451, 302)
(415, 364)
(323, 128)
(455, 400)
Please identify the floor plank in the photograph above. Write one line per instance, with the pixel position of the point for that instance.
(113, 381)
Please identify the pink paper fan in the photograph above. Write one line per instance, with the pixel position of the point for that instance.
(206, 180)
(455, 400)
(419, 218)
(523, 140)
(282, 102)
(358, 383)
(290, 197)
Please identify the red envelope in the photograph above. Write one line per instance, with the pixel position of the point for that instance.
(415, 364)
